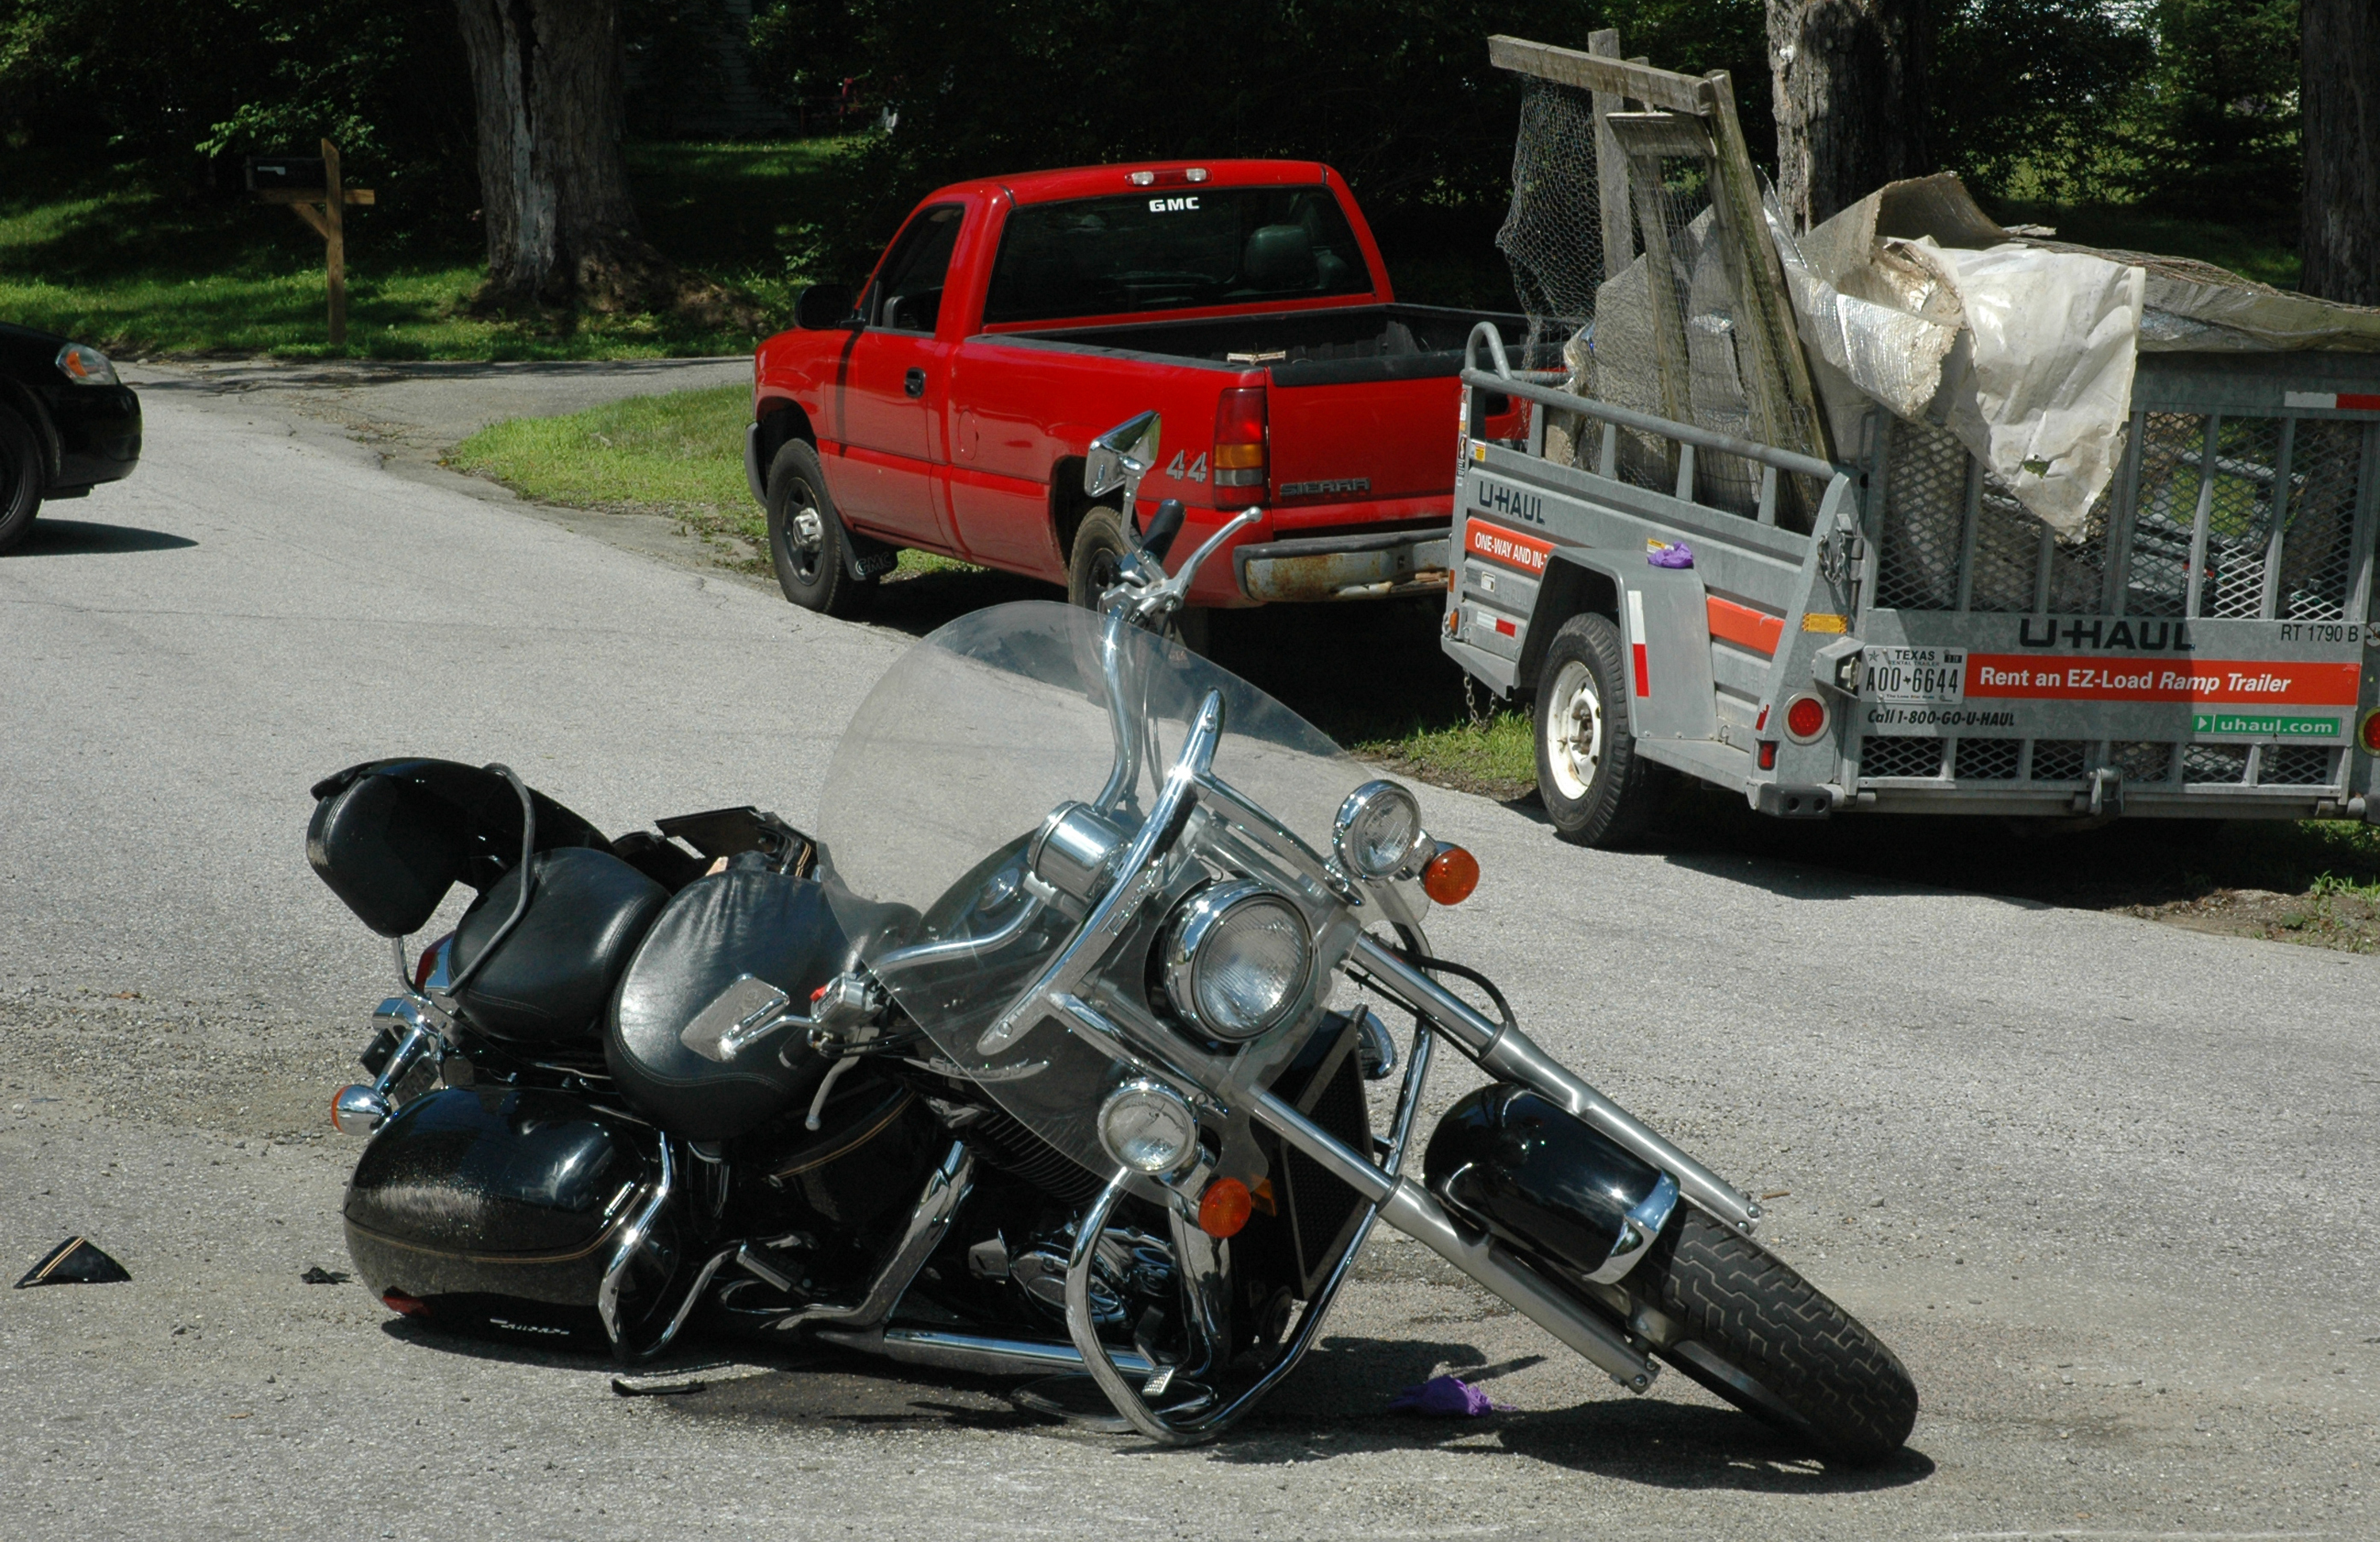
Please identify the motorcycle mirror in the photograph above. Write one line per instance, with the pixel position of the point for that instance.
(1164, 526)
(1121, 457)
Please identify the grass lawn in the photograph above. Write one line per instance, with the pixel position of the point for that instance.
(142, 271)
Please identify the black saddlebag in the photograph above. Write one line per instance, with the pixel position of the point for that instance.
(496, 1202)
(1535, 1176)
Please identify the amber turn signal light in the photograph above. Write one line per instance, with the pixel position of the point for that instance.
(1225, 1208)
(1450, 876)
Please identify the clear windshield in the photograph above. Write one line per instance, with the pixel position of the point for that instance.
(952, 764)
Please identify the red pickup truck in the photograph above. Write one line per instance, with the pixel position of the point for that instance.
(948, 404)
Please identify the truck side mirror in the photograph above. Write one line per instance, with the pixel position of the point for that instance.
(824, 307)
(1121, 456)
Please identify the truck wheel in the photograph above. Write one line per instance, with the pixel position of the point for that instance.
(1099, 553)
(1091, 570)
(20, 479)
(806, 537)
(1596, 789)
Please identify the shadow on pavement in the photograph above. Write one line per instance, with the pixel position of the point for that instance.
(80, 537)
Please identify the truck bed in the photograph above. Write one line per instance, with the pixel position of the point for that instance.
(1339, 346)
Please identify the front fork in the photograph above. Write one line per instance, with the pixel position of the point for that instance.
(1503, 1052)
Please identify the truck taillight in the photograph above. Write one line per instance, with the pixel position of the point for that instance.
(1240, 441)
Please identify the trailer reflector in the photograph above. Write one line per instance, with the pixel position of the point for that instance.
(1636, 642)
(1805, 718)
(1767, 755)
(2334, 401)
(2369, 734)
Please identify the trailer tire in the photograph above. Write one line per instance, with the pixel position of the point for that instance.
(807, 540)
(1596, 789)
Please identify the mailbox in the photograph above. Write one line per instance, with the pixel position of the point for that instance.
(291, 173)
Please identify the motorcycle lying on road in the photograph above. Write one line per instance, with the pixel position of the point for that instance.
(1046, 1057)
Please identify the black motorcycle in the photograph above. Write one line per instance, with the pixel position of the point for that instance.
(1045, 1057)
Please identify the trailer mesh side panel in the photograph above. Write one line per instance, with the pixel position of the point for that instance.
(2058, 759)
(2142, 760)
(2217, 763)
(1924, 510)
(2167, 510)
(2297, 765)
(1892, 756)
(1987, 759)
(2317, 545)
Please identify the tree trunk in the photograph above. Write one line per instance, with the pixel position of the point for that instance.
(1850, 79)
(553, 185)
(2340, 228)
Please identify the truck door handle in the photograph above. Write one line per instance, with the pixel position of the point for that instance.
(914, 383)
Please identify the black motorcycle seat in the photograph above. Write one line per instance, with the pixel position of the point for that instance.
(551, 978)
(767, 925)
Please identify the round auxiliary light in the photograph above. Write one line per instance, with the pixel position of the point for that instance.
(1236, 958)
(1378, 832)
(1224, 1208)
(1806, 719)
(1150, 1128)
(1448, 877)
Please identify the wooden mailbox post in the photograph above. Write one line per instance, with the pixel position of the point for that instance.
(311, 190)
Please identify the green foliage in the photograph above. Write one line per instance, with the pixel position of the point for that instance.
(104, 253)
(2026, 91)
(181, 88)
(2189, 105)
(2215, 122)
(1399, 99)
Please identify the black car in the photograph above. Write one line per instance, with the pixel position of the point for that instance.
(66, 424)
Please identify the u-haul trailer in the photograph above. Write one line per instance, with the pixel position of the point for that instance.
(1898, 635)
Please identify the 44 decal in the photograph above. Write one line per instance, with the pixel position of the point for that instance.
(1196, 471)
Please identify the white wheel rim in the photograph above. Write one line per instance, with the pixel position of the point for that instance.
(1574, 731)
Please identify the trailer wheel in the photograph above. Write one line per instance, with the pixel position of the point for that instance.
(1596, 789)
(806, 538)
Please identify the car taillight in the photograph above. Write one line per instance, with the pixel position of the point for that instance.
(1240, 441)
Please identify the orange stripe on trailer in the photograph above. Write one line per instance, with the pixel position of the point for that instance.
(1743, 625)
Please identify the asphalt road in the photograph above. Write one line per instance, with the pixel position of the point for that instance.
(2106, 1186)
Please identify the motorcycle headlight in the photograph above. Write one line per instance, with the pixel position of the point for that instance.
(1236, 959)
(1378, 831)
(1150, 1128)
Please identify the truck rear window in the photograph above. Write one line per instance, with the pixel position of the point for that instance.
(1173, 249)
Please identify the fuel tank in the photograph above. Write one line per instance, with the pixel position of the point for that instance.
(496, 1201)
(1543, 1181)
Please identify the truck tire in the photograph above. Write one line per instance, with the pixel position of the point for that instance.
(1757, 1335)
(1091, 570)
(1099, 548)
(807, 544)
(20, 477)
(1597, 791)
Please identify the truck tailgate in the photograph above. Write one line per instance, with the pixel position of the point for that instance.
(1333, 442)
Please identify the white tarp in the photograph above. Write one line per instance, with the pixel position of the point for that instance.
(1913, 298)
(2024, 353)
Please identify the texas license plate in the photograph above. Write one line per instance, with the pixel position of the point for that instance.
(1923, 675)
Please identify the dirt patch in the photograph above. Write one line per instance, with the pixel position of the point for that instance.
(2323, 917)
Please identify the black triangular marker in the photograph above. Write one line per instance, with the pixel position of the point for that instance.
(75, 1261)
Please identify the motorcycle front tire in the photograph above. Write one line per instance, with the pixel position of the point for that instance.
(1762, 1338)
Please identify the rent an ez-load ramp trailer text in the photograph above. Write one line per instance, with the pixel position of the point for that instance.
(2209, 651)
